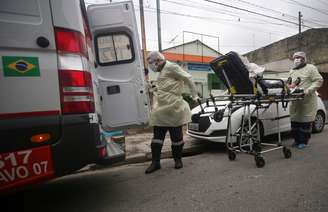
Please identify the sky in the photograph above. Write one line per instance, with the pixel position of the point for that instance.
(241, 25)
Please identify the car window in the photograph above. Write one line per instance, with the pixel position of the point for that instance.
(114, 48)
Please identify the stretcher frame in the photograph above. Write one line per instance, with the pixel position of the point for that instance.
(251, 145)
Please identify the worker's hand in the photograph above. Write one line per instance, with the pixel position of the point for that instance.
(290, 86)
(196, 99)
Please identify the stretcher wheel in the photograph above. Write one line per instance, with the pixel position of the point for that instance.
(260, 162)
(287, 152)
(231, 155)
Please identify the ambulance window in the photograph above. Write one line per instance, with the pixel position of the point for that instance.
(114, 49)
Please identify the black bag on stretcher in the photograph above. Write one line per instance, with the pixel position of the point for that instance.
(234, 74)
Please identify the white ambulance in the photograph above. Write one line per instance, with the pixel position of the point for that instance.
(66, 74)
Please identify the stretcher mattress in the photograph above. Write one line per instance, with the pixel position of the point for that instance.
(234, 74)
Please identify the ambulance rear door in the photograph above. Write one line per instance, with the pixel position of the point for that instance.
(122, 89)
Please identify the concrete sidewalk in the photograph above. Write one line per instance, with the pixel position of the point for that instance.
(137, 144)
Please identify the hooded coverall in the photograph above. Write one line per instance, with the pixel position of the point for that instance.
(303, 112)
(170, 111)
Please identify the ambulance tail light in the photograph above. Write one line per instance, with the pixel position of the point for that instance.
(75, 79)
(70, 41)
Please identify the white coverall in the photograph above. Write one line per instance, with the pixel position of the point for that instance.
(170, 110)
(305, 110)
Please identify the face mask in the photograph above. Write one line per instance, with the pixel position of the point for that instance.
(153, 67)
(297, 62)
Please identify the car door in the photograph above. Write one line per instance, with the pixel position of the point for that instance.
(123, 97)
(271, 115)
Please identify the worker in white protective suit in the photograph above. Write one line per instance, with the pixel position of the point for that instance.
(170, 111)
(302, 112)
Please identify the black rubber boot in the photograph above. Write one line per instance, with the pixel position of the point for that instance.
(177, 155)
(155, 158)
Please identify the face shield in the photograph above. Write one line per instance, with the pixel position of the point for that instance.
(299, 59)
(152, 65)
(297, 62)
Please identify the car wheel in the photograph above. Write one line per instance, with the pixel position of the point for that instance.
(319, 122)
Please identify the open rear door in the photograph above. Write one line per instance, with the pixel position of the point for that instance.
(123, 97)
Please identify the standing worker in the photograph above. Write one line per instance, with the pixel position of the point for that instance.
(303, 112)
(170, 111)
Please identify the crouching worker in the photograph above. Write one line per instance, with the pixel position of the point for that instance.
(303, 112)
(170, 112)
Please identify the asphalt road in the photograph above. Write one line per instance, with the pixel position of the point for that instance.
(208, 182)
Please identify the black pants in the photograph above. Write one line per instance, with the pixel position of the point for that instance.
(176, 134)
(301, 132)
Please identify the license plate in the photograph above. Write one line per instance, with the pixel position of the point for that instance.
(193, 126)
(26, 166)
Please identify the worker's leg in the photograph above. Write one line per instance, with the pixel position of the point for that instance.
(305, 132)
(295, 128)
(156, 148)
(176, 136)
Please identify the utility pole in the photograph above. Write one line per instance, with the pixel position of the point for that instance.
(300, 30)
(143, 34)
(158, 6)
(300, 22)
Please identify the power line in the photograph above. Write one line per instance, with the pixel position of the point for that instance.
(216, 11)
(268, 9)
(215, 20)
(227, 12)
(307, 6)
(316, 22)
(278, 12)
(255, 13)
(203, 8)
(323, 2)
(210, 19)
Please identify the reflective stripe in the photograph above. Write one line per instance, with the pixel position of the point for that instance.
(81, 98)
(77, 89)
(72, 62)
(157, 141)
(177, 143)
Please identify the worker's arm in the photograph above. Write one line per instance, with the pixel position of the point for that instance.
(316, 80)
(179, 74)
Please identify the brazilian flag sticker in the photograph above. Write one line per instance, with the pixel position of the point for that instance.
(20, 66)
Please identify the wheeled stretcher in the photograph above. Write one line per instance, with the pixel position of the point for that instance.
(252, 95)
